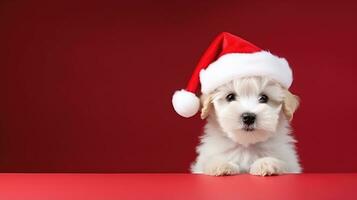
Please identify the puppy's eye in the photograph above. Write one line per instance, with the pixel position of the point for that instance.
(263, 98)
(231, 97)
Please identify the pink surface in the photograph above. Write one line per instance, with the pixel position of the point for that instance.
(176, 186)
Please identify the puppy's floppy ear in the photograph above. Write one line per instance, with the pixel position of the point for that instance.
(290, 104)
(206, 102)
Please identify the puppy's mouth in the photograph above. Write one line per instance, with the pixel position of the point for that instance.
(248, 128)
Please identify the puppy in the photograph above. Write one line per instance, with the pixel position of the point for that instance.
(247, 129)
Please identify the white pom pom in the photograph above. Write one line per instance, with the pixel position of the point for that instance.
(185, 103)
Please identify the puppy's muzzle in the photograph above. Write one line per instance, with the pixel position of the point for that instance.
(248, 118)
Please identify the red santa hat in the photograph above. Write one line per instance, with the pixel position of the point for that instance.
(227, 58)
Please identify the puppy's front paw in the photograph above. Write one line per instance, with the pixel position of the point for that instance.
(267, 166)
(221, 169)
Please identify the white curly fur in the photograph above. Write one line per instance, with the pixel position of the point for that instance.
(226, 148)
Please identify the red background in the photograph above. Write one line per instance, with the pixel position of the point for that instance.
(86, 86)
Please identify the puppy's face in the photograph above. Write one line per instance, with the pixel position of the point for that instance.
(249, 109)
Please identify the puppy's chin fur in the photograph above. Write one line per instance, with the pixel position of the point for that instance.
(226, 148)
(246, 138)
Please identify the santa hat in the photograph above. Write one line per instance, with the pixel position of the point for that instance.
(227, 58)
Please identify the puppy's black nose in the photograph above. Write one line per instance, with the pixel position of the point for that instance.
(248, 118)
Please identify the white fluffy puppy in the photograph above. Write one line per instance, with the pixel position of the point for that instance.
(247, 129)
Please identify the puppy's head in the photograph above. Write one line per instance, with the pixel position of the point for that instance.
(249, 109)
